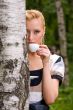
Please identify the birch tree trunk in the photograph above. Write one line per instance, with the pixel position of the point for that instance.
(14, 84)
(62, 37)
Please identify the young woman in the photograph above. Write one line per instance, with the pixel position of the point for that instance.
(46, 70)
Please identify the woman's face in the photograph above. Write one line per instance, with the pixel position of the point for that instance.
(35, 31)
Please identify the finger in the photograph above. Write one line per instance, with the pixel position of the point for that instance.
(44, 52)
(43, 46)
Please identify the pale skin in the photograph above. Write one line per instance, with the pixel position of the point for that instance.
(35, 34)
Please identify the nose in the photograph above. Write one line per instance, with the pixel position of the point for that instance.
(31, 37)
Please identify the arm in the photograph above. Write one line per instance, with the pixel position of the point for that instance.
(50, 85)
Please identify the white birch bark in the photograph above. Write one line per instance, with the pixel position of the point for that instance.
(14, 84)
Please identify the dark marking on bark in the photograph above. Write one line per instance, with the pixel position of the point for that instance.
(3, 6)
(1, 87)
(9, 64)
(1, 45)
(22, 70)
(7, 80)
(22, 85)
(5, 73)
(3, 28)
(61, 29)
(10, 71)
(15, 62)
(1, 62)
(9, 44)
(16, 44)
(25, 47)
(1, 102)
(25, 76)
(1, 105)
(19, 93)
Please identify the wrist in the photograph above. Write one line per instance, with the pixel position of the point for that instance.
(45, 62)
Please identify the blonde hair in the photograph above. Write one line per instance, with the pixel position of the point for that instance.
(32, 14)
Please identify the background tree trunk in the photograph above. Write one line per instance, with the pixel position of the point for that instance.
(62, 37)
(14, 83)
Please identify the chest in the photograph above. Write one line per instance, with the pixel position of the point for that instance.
(36, 80)
(35, 63)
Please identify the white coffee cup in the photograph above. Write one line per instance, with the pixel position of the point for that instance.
(33, 47)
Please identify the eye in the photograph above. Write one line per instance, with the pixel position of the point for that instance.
(36, 31)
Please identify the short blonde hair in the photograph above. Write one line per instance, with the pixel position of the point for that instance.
(32, 14)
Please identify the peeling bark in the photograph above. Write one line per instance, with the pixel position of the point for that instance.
(14, 74)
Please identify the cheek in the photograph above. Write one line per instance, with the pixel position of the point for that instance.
(42, 38)
(39, 38)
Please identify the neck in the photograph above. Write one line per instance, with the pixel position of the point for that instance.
(32, 53)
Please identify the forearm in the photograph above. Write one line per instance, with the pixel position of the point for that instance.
(49, 85)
